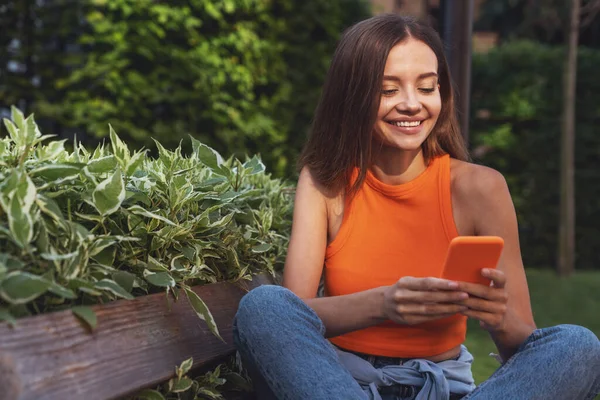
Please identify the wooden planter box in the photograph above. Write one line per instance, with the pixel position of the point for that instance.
(137, 344)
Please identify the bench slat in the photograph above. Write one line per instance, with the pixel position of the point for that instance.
(136, 344)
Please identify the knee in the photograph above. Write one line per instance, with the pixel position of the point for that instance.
(580, 343)
(262, 301)
(260, 309)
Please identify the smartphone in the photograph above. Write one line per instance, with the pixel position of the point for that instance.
(468, 255)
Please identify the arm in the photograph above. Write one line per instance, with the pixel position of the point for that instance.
(304, 265)
(504, 310)
(409, 301)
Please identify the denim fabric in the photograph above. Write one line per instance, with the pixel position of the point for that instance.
(560, 362)
(281, 341)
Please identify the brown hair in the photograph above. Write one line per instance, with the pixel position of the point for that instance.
(341, 135)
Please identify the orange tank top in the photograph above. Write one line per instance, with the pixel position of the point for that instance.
(391, 231)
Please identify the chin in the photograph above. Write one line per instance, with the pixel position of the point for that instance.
(411, 144)
(400, 141)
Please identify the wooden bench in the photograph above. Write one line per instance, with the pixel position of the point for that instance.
(137, 344)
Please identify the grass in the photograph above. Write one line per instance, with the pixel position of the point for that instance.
(573, 300)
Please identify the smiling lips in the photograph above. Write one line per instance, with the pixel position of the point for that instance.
(405, 123)
(407, 127)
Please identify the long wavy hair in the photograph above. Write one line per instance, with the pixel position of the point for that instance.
(341, 136)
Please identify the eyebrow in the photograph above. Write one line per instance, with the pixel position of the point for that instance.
(422, 76)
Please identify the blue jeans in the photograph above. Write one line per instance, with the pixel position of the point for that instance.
(282, 344)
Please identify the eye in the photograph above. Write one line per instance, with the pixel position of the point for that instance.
(389, 92)
(427, 90)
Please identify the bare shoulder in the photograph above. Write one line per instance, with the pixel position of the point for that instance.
(307, 182)
(480, 198)
(332, 200)
(475, 184)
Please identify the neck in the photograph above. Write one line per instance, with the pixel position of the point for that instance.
(395, 167)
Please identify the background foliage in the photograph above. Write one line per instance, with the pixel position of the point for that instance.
(244, 76)
(516, 117)
(240, 75)
(544, 21)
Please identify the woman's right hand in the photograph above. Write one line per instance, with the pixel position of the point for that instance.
(412, 301)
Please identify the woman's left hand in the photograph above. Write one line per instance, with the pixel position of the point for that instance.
(487, 304)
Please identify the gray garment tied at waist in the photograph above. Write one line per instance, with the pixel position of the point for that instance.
(436, 380)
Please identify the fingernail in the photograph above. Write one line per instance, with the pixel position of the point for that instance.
(464, 296)
(485, 271)
(452, 285)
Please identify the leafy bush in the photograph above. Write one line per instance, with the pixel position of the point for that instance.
(209, 385)
(84, 227)
(515, 127)
(242, 76)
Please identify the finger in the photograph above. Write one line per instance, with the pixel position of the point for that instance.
(482, 291)
(498, 277)
(479, 304)
(428, 284)
(430, 309)
(414, 296)
(492, 321)
(478, 315)
(419, 319)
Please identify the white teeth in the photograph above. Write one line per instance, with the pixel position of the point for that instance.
(407, 123)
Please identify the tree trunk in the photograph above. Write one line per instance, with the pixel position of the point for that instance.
(457, 36)
(566, 248)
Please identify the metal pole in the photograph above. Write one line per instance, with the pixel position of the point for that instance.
(457, 23)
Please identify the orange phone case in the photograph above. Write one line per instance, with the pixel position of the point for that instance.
(468, 255)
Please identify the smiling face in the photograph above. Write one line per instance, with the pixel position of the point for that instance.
(410, 98)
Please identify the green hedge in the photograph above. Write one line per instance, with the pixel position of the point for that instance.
(241, 76)
(516, 122)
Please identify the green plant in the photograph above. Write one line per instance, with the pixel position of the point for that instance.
(85, 227)
(241, 76)
(515, 128)
(208, 385)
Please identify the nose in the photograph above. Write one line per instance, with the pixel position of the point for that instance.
(409, 103)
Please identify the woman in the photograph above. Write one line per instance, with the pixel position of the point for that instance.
(385, 184)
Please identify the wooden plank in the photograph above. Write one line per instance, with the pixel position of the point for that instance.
(136, 344)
